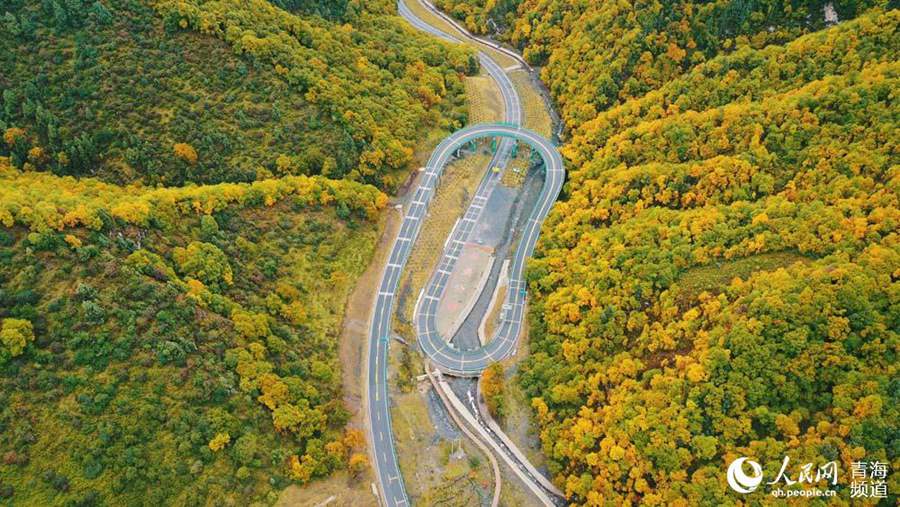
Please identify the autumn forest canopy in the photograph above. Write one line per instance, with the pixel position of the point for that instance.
(190, 189)
(722, 278)
(105, 89)
(188, 193)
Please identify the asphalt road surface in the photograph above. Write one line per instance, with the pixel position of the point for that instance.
(442, 353)
(450, 360)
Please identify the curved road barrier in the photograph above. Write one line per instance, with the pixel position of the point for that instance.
(381, 438)
(444, 356)
(442, 353)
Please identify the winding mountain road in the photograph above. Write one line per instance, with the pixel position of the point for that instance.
(443, 355)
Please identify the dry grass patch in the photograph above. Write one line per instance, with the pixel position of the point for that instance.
(425, 14)
(514, 492)
(537, 118)
(346, 491)
(485, 101)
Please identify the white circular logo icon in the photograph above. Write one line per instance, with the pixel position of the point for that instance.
(741, 482)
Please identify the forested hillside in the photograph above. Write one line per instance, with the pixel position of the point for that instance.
(174, 345)
(107, 88)
(722, 278)
(186, 201)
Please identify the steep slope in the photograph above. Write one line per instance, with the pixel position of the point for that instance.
(722, 277)
(107, 88)
(152, 336)
(185, 204)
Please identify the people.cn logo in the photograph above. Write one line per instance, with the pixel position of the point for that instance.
(741, 482)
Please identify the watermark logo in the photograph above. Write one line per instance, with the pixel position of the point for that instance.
(827, 473)
(742, 482)
(806, 480)
(869, 479)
